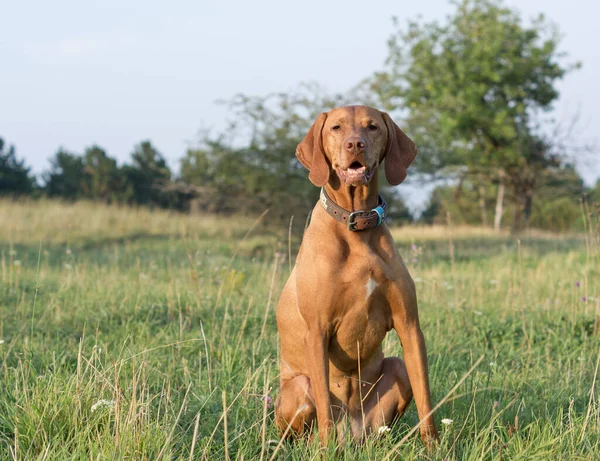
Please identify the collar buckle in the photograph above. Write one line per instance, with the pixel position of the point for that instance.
(351, 222)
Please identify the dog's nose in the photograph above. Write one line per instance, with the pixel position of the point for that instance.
(355, 145)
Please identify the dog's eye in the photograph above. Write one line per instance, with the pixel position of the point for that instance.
(336, 127)
(373, 127)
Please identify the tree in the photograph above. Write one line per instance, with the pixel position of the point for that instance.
(251, 166)
(462, 201)
(66, 178)
(557, 207)
(14, 175)
(145, 174)
(473, 89)
(102, 178)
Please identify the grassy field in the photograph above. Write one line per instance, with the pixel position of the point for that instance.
(130, 334)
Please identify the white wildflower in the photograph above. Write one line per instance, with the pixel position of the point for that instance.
(68, 251)
(477, 312)
(492, 364)
(383, 430)
(17, 262)
(2, 341)
(447, 421)
(103, 403)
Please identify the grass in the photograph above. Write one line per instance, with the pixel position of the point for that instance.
(130, 334)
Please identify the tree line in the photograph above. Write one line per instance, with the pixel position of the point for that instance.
(474, 92)
(93, 175)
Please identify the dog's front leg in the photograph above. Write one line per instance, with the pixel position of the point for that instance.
(415, 358)
(406, 323)
(317, 362)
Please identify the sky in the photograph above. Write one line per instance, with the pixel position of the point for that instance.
(115, 72)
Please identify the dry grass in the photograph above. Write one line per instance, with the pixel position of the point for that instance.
(55, 222)
(464, 232)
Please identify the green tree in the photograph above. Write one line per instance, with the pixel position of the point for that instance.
(103, 179)
(472, 89)
(557, 206)
(145, 175)
(66, 178)
(251, 165)
(15, 179)
(558, 202)
(461, 200)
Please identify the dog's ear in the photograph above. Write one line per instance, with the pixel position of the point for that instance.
(399, 153)
(311, 154)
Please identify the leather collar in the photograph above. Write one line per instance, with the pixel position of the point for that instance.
(355, 220)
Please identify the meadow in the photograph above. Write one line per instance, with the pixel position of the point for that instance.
(134, 334)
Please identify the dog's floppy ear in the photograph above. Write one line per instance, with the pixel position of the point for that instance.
(399, 153)
(311, 155)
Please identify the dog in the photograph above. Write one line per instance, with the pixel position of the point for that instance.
(348, 288)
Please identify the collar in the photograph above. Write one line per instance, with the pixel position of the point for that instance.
(355, 220)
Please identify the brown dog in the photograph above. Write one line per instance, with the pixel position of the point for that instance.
(349, 288)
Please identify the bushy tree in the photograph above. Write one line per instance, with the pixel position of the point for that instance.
(103, 179)
(557, 207)
(145, 175)
(66, 178)
(472, 89)
(251, 166)
(461, 201)
(15, 179)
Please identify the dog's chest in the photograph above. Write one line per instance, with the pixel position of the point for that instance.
(365, 321)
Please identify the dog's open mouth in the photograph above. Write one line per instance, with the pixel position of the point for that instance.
(355, 174)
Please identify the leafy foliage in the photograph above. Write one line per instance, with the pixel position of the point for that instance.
(97, 176)
(66, 176)
(558, 207)
(471, 86)
(260, 170)
(147, 171)
(472, 89)
(14, 175)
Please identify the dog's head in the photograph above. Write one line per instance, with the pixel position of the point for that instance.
(351, 142)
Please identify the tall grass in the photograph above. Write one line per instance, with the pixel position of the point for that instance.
(130, 334)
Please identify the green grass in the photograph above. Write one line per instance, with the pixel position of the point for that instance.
(138, 335)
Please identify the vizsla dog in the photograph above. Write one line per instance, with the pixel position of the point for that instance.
(349, 287)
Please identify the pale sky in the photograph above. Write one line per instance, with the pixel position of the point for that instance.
(115, 72)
